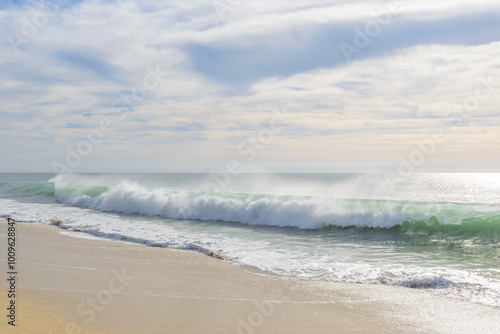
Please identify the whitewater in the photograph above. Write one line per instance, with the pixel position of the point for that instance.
(431, 231)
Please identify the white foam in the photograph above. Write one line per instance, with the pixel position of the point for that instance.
(303, 212)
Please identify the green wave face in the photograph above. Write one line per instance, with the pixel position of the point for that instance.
(489, 225)
(479, 223)
(90, 191)
(25, 189)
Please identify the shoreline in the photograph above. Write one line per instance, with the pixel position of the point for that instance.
(94, 285)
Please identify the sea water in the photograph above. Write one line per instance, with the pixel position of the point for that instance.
(430, 231)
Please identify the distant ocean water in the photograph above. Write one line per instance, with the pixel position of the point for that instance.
(432, 231)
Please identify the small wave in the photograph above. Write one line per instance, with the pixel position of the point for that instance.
(91, 230)
(436, 282)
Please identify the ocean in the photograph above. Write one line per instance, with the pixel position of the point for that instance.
(439, 232)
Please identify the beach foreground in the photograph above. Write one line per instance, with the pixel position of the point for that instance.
(87, 285)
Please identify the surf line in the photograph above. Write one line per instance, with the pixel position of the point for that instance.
(11, 273)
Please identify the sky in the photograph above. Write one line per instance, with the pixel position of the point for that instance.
(253, 86)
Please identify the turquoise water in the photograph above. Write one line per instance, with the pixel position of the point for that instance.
(435, 231)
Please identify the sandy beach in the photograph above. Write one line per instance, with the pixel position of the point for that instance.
(68, 284)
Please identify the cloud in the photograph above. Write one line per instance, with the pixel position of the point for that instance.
(223, 78)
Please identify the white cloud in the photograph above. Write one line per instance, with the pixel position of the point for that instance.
(68, 75)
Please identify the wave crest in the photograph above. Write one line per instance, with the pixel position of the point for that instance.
(303, 212)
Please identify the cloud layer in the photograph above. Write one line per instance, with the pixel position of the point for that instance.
(186, 86)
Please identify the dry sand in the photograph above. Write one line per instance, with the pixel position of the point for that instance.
(69, 284)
